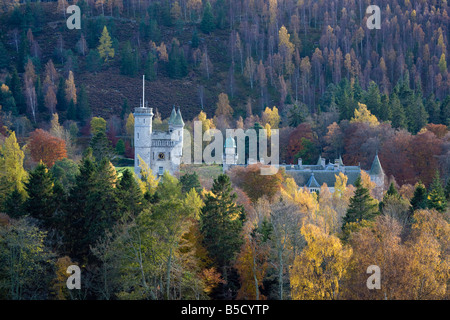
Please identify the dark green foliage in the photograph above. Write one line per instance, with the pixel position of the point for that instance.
(308, 152)
(83, 111)
(71, 111)
(150, 71)
(101, 146)
(93, 61)
(130, 196)
(177, 66)
(195, 40)
(129, 62)
(419, 199)
(41, 202)
(92, 206)
(221, 223)
(13, 204)
(65, 171)
(125, 109)
(189, 181)
(208, 24)
(362, 206)
(61, 104)
(120, 147)
(297, 114)
(436, 195)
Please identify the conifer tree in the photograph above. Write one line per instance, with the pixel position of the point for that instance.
(41, 202)
(447, 190)
(207, 25)
(419, 199)
(13, 204)
(436, 196)
(83, 108)
(362, 206)
(105, 48)
(221, 222)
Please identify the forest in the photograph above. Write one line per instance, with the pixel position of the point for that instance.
(310, 69)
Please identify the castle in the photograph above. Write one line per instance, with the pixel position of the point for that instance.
(314, 176)
(160, 150)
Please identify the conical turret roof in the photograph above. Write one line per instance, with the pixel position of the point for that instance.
(376, 167)
(178, 121)
(172, 116)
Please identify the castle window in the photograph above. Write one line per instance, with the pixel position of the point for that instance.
(169, 155)
(138, 135)
(160, 171)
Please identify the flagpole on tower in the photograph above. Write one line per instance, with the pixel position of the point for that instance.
(143, 91)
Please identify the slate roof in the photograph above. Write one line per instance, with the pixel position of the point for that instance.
(303, 177)
(172, 115)
(178, 119)
(376, 167)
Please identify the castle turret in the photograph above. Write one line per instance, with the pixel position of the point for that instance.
(230, 156)
(376, 172)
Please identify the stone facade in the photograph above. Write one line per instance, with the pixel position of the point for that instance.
(160, 150)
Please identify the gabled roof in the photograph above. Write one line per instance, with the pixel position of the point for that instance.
(376, 167)
(312, 182)
(319, 161)
(341, 163)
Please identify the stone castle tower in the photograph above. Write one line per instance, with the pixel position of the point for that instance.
(160, 150)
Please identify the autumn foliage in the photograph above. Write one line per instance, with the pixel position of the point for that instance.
(46, 148)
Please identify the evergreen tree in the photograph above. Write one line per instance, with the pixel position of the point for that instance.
(177, 66)
(83, 109)
(61, 104)
(93, 61)
(120, 147)
(419, 199)
(221, 224)
(362, 206)
(130, 196)
(92, 206)
(13, 204)
(128, 62)
(125, 108)
(207, 24)
(398, 113)
(101, 146)
(71, 111)
(16, 89)
(195, 41)
(150, 71)
(436, 196)
(41, 202)
(190, 181)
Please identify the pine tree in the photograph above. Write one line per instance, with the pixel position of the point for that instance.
(61, 104)
(419, 199)
(436, 196)
(362, 206)
(221, 223)
(207, 24)
(40, 203)
(194, 41)
(130, 196)
(190, 181)
(150, 71)
(128, 62)
(105, 48)
(13, 204)
(83, 108)
(101, 146)
(92, 206)
(120, 147)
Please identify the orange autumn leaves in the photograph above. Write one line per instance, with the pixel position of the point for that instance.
(46, 148)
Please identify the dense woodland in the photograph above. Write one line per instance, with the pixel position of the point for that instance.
(310, 69)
